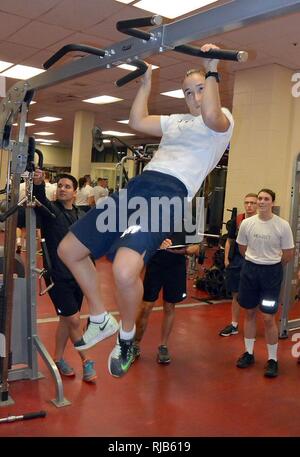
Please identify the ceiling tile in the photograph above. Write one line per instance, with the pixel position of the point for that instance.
(10, 24)
(27, 8)
(71, 14)
(39, 35)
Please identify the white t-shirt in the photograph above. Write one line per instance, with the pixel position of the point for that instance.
(265, 239)
(82, 196)
(50, 190)
(189, 150)
(100, 192)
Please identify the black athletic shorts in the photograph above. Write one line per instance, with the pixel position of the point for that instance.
(165, 271)
(144, 236)
(67, 297)
(233, 272)
(258, 283)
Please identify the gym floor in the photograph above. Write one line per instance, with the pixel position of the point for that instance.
(200, 394)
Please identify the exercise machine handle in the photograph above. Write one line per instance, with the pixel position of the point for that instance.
(222, 54)
(142, 68)
(23, 417)
(72, 47)
(127, 26)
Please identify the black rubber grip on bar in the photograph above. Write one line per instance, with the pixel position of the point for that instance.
(72, 47)
(34, 415)
(142, 68)
(40, 158)
(222, 54)
(127, 26)
(31, 149)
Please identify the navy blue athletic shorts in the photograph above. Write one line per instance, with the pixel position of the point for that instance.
(146, 233)
(260, 283)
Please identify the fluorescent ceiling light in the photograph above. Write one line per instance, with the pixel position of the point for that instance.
(22, 72)
(102, 100)
(43, 133)
(172, 8)
(174, 93)
(48, 119)
(114, 133)
(125, 1)
(27, 124)
(32, 102)
(126, 66)
(106, 141)
(125, 121)
(46, 144)
(4, 65)
(45, 140)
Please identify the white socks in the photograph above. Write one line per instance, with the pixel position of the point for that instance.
(249, 344)
(272, 351)
(98, 318)
(234, 324)
(126, 335)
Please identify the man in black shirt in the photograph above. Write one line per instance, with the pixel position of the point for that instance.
(66, 294)
(166, 271)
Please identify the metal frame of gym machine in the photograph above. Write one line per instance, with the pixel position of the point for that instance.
(289, 286)
(172, 36)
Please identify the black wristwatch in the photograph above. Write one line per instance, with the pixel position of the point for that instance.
(215, 74)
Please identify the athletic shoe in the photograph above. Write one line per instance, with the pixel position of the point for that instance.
(136, 351)
(245, 360)
(163, 355)
(229, 330)
(121, 357)
(271, 369)
(64, 368)
(96, 332)
(89, 372)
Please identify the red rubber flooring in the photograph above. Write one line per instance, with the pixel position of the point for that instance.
(200, 394)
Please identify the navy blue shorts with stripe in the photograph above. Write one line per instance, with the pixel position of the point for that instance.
(258, 283)
(146, 239)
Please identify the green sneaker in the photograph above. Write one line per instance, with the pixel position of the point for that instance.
(121, 357)
(136, 351)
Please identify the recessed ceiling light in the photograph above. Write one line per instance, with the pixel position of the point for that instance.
(27, 124)
(125, 1)
(43, 133)
(32, 102)
(22, 72)
(115, 133)
(106, 141)
(124, 121)
(4, 65)
(48, 119)
(172, 8)
(126, 66)
(174, 93)
(45, 140)
(46, 144)
(102, 100)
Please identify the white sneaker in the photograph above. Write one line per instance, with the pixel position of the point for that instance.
(96, 332)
